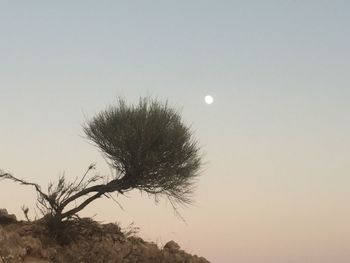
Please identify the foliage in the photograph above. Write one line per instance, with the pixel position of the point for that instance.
(150, 147)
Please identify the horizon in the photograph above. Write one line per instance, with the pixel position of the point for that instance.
(275, 138)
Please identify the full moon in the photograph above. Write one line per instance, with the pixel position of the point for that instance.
(208, 99)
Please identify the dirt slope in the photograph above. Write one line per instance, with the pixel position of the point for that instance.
(86, 241)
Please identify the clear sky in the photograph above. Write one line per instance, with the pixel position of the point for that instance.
(276, 139)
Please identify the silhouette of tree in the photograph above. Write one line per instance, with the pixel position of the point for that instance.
(147, 144)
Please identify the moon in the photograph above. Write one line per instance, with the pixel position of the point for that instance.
(208, 99)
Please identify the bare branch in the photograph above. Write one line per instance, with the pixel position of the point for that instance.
(11, 177)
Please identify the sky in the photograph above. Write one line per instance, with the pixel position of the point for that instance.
(276, 143)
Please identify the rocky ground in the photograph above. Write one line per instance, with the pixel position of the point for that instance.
(88, 241)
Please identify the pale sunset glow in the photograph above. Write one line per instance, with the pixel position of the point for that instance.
(274, 131)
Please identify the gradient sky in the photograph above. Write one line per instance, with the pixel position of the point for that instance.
(276, 139)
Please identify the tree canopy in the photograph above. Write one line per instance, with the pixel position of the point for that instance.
(149, 146)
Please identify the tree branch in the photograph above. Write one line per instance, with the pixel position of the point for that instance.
(81, 206)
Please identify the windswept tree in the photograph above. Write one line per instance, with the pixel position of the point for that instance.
(147, 144)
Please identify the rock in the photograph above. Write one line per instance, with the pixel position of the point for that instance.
(172, 246)
(48, 253)
(32, 245)
(28, 242)
(35, 260)
(204, 260)
(11, 246)
(6, 218)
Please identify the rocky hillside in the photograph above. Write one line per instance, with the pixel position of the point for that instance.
(86, 241)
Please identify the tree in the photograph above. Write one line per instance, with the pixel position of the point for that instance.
(148, 145)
